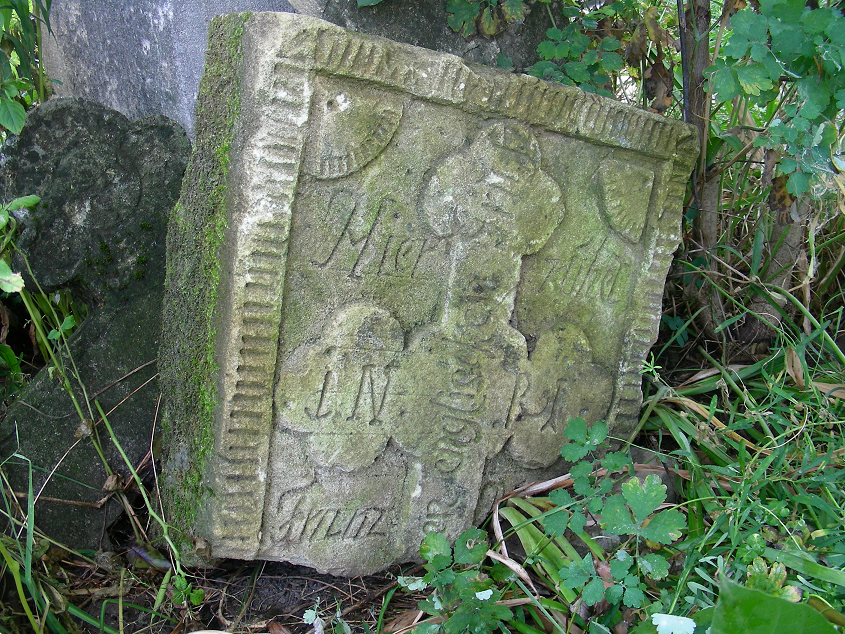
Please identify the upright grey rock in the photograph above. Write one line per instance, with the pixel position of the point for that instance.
(107, 186)
(392, 278)
(146, 56)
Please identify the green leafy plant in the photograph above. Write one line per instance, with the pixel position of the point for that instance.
(464, 597)
(487, 17)
(572, 57)
(185, 593)
(787, 58)
(22, 80)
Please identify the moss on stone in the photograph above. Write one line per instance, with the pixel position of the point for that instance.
(198, 224)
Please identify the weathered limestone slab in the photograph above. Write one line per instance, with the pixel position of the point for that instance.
(393, 277)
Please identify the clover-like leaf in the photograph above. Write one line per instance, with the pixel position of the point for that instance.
(634, 597)
(616, 460)
(461, 16)
(514, 11)
(556, 523)
(435, 549)
(644, 498)
(654, 566)
(593, 592)
(576, 430)
(471, 547)
(613, 594)
(577, 522)
(577, 572)
(665, 527)
(617, 517)
(620, 565)
(560, 497)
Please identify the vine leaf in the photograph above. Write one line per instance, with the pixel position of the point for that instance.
(462, 15)
(514, 11)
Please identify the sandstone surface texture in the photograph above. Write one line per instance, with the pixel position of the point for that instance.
(107, 186)
(392, 278)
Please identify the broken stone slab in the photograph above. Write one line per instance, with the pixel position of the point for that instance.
(107, 186)
(392, 278)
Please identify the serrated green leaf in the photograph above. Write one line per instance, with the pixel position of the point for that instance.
(577, 522)
(797, 184)
(750, 25)
(514, 11)
(665, 527)
(598, 432)
(815, 94)
(10, 282)
(542, 69)
(817, 20)
(788, 11)
(754, 79)
(368, 3)
(578, 572)
(435, 549)
(428, 628)
(725, 84)
(616, 460)
(644, 498)
(788, 165)
(614, 593)
(471, 547)
(546, 49)
(612, 62)
(504, 62)
(581, 469)
(590, 57)
(12, 115)
(576, 430)
(556, 523)
(753, 612)
(593, 592)
(610, 43)
(758, 51)
(619, 568)
(617, 517)
(562, 50)
(654, 566)
(572, 452)
(634, 597)
(554, 34)
(581, 486)
(560, 497)
(461, 16)
(787, 41)
(737, 47)
(596, 504)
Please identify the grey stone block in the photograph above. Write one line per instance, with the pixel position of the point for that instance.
(392, 278)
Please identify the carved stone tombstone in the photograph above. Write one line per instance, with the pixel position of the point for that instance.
(393, 277)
